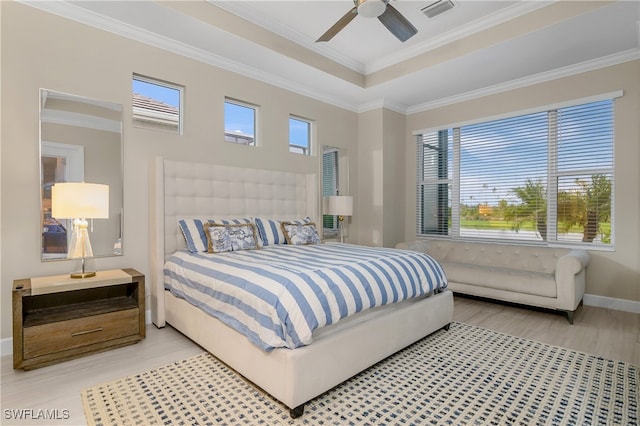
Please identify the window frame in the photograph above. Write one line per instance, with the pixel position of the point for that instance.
(330, 186)
(310, 138)
(553, 176)
(141, 123)
(256, 115)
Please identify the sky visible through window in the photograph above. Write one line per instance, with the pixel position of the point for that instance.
(238, 118)
(299, 132)
(520, 143)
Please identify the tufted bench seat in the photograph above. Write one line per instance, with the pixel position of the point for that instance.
(546, 277)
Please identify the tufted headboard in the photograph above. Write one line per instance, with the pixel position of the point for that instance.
(180, 189)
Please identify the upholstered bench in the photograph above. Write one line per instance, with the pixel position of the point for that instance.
(546, 277)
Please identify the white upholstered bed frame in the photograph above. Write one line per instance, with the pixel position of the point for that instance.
(190, 190)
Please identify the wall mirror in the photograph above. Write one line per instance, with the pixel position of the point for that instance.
(80, 141)
(335, 181)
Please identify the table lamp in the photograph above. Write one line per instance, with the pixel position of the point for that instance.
(80, 201)
(341, 206)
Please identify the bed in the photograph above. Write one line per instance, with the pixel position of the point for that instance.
(291, 373)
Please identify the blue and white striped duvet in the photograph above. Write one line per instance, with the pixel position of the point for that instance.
(278, 295)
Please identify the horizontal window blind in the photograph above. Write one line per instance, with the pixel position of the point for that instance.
(435, 156)
(541, 177)
(503, 178)
(329, 184)
(584, 174)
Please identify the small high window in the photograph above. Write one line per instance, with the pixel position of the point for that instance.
(240, 120)
(157, 104)
(299, 135)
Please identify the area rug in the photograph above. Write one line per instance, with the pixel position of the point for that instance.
(464, 376)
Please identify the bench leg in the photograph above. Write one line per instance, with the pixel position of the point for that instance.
(570, 316)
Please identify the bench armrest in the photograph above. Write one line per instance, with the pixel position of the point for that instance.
(570, 278)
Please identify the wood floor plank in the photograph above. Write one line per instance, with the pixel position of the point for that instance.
(603, 332)
(598, 331)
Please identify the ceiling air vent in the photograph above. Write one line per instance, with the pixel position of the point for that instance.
(435, 9)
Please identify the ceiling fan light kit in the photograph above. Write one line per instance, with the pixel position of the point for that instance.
(371, 8)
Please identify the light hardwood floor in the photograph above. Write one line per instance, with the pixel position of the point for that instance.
(603, 332)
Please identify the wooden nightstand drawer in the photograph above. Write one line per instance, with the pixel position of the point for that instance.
(55, 337)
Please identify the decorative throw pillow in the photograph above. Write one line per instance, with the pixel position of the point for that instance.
(231, 237)
(299, 234)
(218, 238)
(270, 231)
(194, 233)
(243, 237)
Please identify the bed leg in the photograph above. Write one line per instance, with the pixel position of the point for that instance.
(296, 412)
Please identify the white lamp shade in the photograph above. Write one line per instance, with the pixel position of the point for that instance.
(340, 205)
(70, 200)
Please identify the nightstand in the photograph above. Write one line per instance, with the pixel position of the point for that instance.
(57, 318)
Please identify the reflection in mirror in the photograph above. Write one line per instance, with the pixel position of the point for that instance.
(335, 181)
(80, 141)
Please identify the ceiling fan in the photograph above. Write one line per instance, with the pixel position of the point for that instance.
(381, 9)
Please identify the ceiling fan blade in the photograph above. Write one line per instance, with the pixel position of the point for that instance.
(397, 24)
(338, 26)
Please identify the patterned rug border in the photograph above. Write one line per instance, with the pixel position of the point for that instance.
(540, 342)
(437, 380)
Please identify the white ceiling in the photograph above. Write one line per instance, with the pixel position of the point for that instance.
(441, 64)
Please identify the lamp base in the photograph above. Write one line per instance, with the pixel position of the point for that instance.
(341, 225)
(83, 274)
(84, 267)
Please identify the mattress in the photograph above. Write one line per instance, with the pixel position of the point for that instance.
(280, 295)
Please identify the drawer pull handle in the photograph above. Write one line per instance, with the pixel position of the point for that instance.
(80, 333)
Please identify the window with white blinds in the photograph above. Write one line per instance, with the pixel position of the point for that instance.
(329, 186)
(543, 177)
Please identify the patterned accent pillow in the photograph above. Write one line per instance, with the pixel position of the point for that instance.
(300, 234)
(231, 237)
(194, 234)
(218, 238)
(270, 231)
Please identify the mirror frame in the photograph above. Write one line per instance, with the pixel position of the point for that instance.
(71, 160)
(341, 189)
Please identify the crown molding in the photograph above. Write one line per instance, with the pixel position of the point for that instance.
(381, 103)
(481, 24)
(244, 9)
(615, 59)
(68, 10)
(76, 13)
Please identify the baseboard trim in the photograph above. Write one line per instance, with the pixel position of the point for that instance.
(6, 345)
(612, 303)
